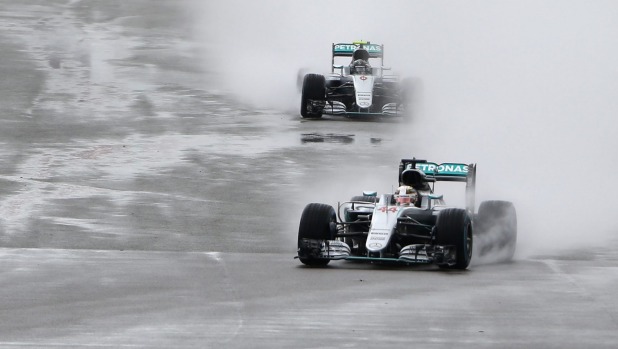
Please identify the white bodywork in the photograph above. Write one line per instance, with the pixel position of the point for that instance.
(363, 92)
(383, 222)
(363, 86)
(383, 225)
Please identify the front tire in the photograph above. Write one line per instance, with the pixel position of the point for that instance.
(318, 223)
(454, 227)
(314, 89)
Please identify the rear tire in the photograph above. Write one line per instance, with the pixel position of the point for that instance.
(314, 88)
(318, 223)
(454, 227)
(496, 224)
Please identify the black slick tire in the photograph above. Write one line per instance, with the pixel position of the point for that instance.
(318, 223)
(454, 227)
(314, 88)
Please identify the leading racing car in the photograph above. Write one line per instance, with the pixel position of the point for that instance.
(357, 88)
(411, 226)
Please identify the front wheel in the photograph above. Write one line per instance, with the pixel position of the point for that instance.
(454, 227)
(318, 223)
(313, 93)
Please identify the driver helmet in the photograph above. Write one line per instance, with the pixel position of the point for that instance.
(360, 53)
(406, 195)
(360, 66)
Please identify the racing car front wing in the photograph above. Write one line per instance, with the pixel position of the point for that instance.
(411, 254)
(338, 108)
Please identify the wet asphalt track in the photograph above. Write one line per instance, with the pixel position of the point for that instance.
(140, 207)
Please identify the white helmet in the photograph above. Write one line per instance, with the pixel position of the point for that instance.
(406, 195)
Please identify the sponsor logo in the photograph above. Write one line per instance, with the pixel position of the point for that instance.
(375, 245)
(363, 97)
(390, 209)
(351, 47)
(446, 169)
(378, 233)
(363, 77)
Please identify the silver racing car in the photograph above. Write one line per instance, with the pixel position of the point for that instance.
(410, 226)
(358, 88)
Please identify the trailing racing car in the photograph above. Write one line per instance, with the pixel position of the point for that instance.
(356, 88)
(414, 225)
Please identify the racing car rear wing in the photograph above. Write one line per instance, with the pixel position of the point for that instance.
(418, 173)
(347, 50)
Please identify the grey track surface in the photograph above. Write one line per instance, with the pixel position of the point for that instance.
(140, 207)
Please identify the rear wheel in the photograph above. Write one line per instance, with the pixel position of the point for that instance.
(314, 89)
(454, 227)
(318, 223)
(496, 225)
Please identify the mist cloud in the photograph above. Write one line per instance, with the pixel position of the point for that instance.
(527, 89)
